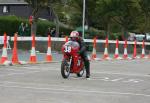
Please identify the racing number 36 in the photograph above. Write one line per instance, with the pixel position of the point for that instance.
(67, 49)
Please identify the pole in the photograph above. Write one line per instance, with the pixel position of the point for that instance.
(83, 21)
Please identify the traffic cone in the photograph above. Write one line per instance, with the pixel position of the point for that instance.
(134, 51)
(116, 55)
(143, 50)
(106, 56)
(94, 49)
(4, 52)
(49, 55)
(66, 39)
(33, 53)
(15, 53)
(125, 55)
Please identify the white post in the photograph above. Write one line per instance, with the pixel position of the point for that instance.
(83, 21)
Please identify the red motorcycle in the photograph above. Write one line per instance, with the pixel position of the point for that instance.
(72, 62)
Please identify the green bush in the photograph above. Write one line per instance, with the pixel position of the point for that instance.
(10, 25)
(115, 36)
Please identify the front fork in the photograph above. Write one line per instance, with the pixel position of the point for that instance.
(70, 61)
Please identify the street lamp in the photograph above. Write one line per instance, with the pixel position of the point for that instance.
(83, 20)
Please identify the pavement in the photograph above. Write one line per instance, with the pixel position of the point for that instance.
(117, 81)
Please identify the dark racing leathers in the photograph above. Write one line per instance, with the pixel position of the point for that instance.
(84, 55)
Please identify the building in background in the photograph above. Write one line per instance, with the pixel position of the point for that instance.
(22, 9)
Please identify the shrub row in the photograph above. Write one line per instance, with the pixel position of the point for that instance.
(10, 25)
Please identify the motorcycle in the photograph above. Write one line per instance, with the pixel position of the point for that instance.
(72, 62)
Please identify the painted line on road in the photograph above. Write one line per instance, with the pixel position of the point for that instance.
(140, 75)
(94, 72)
(11, 74)
(75, 90)
(58, 69)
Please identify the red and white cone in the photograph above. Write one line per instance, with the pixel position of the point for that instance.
(125, 54)
(134, 51)
(143, 50)
(4, 57)
(116, 55)
(106, 56)
(49, 54)
(33, 52)
(15, 59)
(94, 49)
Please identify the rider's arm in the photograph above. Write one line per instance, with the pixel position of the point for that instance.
(83, 46)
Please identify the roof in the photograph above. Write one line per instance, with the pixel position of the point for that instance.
(13, 2)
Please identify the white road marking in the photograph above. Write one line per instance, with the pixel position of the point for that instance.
(11, 74)
(59, 90)
(110, 72)
(96, 72)
(124, 80)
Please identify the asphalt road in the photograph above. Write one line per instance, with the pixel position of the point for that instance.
(111, 82)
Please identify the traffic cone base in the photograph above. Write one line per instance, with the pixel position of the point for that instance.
(49, 56)
(3, 59)
(33, 56)
(125, 55)
(32, 59)
(116, 54)
(94, 54)
(143, 53)
(4, 55)
(15, 57)
(106, 56)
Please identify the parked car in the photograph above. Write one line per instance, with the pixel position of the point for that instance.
(138, 37)
(147, 36)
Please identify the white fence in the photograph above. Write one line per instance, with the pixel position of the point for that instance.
(63, 39)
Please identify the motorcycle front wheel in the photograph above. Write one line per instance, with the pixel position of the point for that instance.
(65, 69)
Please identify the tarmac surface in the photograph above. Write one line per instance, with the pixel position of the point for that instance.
(117, 81)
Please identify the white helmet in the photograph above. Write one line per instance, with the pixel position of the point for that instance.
(74, 34)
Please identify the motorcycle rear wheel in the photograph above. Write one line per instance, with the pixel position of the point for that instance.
(65, 69)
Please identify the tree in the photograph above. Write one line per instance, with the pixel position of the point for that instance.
(145, 8)
(40, 4)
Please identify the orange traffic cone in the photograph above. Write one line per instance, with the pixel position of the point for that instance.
(143, 50)
(33, 53)
(66, 39)
(116, 55)
(94, 49)
(134, 51)
(4, 52)
(125, 55)
(15, 53)
(49, 55)
(106, 56)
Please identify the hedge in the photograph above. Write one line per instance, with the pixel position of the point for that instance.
(10, 25)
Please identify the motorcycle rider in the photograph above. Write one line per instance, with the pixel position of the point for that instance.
(74, 36)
